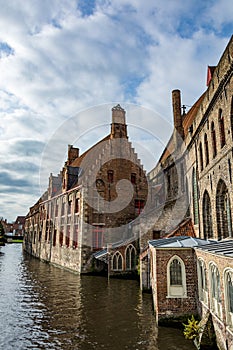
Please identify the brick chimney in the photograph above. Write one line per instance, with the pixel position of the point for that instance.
(176, 104)
(118, 126)
(73, 153)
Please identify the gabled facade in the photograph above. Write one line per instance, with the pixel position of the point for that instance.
(91, 203)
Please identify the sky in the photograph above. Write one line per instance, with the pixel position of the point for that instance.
(65, 63)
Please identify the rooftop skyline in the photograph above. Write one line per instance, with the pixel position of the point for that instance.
(65, 62)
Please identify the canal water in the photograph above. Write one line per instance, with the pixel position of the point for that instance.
(44, 307)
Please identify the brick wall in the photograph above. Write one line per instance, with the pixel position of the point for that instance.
(222, 331)
(173, 307)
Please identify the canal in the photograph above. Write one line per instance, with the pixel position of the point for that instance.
(44, 307)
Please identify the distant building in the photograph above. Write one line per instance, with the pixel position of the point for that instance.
(89, 206)
(18, 226)
(8, 227)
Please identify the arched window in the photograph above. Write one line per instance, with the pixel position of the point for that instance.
(228, 284)
(110, 176)
(214, 144)
(130, 257)
(206, 150)
(201, 156)
(117, 262)
(207, 216)
(223, 211)
(215, 290)
(202, 281)
(221, 128)
(175, 273)
(195, 197)
(176, 278)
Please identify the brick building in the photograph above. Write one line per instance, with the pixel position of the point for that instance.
(90, 204)
(193, 182)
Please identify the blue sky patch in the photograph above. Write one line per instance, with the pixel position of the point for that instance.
(130, 87)
(5, 50)
(87, 8)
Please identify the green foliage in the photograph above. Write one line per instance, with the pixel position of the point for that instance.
(2, 231)
(192, 328)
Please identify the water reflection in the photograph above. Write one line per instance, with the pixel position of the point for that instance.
(44, 307)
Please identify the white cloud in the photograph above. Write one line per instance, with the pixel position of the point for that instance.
(61, 61)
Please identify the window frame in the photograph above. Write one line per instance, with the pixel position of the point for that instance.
(176, 291)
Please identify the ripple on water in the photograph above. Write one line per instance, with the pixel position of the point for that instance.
(43, 307)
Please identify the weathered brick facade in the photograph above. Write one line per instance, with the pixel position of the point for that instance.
(223, 330)
(194, 183)
(91, 203)
(169, 306)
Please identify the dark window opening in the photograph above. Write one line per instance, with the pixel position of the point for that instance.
(110, 176)
(214, 144)
(221, 128)
(201, 157)
(206, 150)
(77, 205)
(133, 178)
(54, 237)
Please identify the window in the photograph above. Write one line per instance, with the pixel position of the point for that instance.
(139, 205)
(230, 293)
(77, 205)
(202, 280)
(97, 237)
(175, 273)
(195, 197)
(69, 207)
(133, 178)
(229, 169)
(207, 216)
(223, 211)
(214, 144)
(68, 236)
(56, 208)
(75, 236)
(61, 236)
(215, 290)
(54, 237)
(228, 281)
(156, 234)
(117, 262)
(168, 185)
(130, 257)
(221, 128)
(201, 156)
(206, 150)
(63, 208)
(176, 278)
(110, 176)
